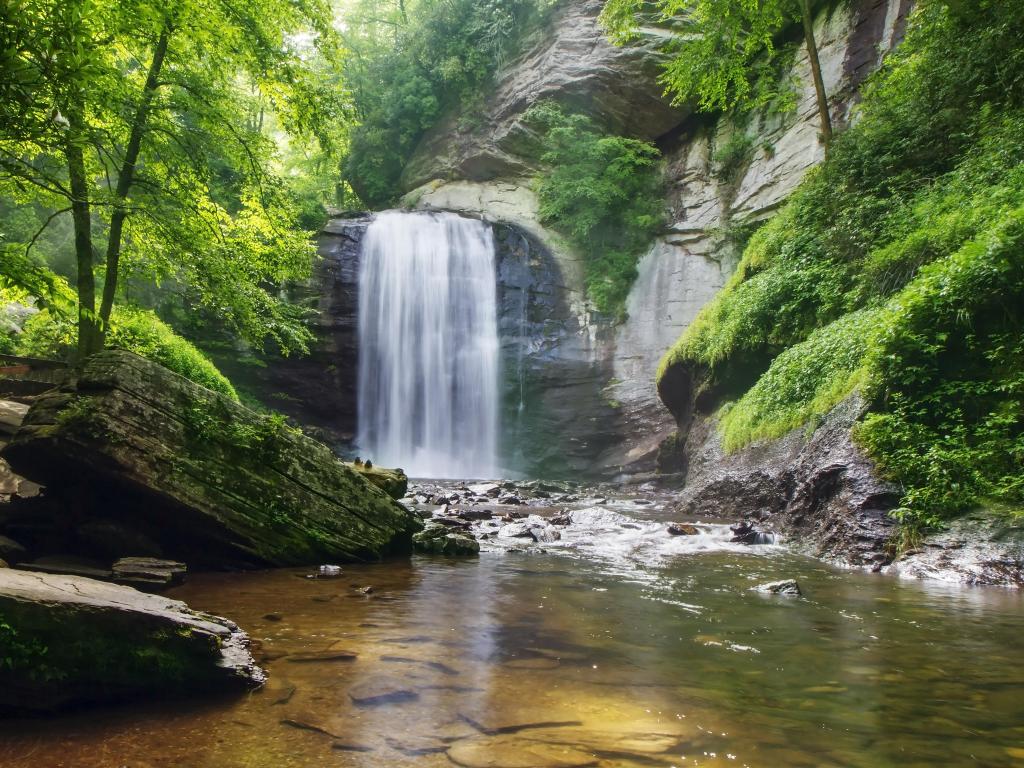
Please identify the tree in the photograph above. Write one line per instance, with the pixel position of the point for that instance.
(129, 115)
(722, 59)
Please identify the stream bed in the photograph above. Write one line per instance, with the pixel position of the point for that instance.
(613, 644)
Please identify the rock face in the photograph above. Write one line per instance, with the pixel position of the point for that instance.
(486, 171)
(208, 480)
(69, 640)
(571, 63)
(579, 388)
(318, 389)
(821, 492)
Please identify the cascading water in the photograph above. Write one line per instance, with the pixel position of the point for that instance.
(428, 345)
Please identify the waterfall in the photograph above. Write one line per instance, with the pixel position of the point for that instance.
(428, 345)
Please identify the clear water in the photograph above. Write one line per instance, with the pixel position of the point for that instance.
(615, 646)
(428, 341)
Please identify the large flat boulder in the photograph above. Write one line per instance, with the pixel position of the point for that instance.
(70, 640)
(210, 481)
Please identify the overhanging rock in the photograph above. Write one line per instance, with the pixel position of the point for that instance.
(213, 482)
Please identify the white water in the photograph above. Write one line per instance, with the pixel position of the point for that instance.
(428, 341)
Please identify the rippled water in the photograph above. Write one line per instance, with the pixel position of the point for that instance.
(614, 646)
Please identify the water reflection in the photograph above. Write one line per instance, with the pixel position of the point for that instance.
(528, 660)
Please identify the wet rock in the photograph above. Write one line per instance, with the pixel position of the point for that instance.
(273, 616)
(983, 547)
(71, 565)
(117, 633)
(12, 551)
(822, 493)
(437, 539)
(475, 514)
(517, 752)
(788, 587)
(308, 657)
(491, 490)
(544, 534)
(148, 573)
(303, 725)
(392, 481)
(381, 691)
(683, 529)
(219, 483)
(515, 531)
(745, 533)
(510, 500)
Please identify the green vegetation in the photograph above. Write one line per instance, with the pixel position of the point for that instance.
(413, 61)
(603, 193)
(150, 134)
(50, 335)
(725, 55)
(898, 268)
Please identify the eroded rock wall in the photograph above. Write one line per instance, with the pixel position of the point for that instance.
(487, 170)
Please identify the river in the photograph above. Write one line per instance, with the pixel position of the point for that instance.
(614, 645)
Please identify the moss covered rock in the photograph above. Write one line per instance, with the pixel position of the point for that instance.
(68, 640)
(211, 481)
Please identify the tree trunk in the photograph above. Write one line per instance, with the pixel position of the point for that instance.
(126, 177)
(819, 83)
(90, 339)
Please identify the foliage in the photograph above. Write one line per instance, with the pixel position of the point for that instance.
(725, 54)
(948, 376)
(140, 331)
(803, 383)
(145, 122)
(897, 266)
(413, 61)
(603, 193)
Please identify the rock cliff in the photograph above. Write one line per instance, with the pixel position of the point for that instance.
(487, 170)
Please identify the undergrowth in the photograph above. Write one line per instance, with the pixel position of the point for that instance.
(603, 193)
(897, 268)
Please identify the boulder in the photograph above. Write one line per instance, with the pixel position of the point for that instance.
(70, 640)
(392, 481)
(210, 481)
(148, 573)
(436, 539)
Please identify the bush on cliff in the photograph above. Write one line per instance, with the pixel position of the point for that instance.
(898, 266)
(603, 193)
(51, 335)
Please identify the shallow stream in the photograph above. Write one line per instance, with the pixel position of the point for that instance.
(615, 645)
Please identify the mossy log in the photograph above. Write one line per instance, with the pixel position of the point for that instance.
(212, 481)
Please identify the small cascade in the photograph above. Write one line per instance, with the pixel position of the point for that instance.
(428, 341)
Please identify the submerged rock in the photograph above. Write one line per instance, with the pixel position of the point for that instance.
(788, 587)
(207, 479)
(71, 640)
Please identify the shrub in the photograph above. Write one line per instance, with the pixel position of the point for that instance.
(140, 331)
(603, 193)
